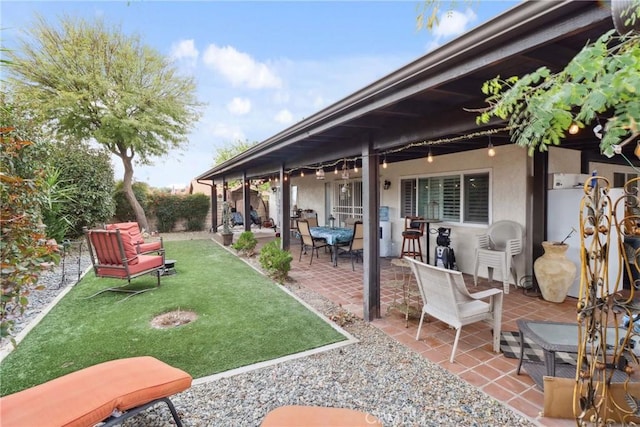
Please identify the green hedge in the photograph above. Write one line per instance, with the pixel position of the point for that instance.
(168, 209)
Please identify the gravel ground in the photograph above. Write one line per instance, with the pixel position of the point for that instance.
(376, 375)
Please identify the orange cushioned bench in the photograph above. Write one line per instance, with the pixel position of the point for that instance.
(109, 392)
(317, 416)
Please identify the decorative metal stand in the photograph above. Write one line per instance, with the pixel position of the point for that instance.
(67, 246)
(601, 305)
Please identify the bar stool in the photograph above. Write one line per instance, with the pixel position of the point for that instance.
(413, 232)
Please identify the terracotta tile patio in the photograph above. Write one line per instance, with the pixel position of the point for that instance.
(475, 361)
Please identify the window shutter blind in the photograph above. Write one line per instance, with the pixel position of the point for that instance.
(451, 198)
(476, 203)
(407, 197)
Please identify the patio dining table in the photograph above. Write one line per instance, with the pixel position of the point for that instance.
(335, 236)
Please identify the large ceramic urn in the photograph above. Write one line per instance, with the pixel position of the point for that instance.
(555, 273)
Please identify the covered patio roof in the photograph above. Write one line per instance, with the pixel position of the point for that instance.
(426, 104)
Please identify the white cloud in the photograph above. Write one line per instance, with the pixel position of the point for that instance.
(239, 106)
(284, 117)
(226, 132)
(240, 69)
(184, 49)
(453, 23)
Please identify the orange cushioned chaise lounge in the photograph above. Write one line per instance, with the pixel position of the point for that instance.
(108, 392)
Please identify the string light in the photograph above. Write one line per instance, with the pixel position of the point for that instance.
(345, 171)
(302, 173)
(429, 157)
(355, 167)
(574, 128)
(442, 141)
(384, 162)
(490, 150)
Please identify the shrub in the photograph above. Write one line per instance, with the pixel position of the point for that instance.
(167, 209)
(58, 194)
(246, 243)
(22, 248)
(195, 208)
(86, 175)
(275, 261)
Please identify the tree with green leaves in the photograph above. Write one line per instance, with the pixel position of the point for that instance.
(231, 150)
(601, 83)
(93, 83)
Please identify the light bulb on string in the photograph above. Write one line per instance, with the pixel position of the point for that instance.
(574, 128)
(302, 173)
(430, 157)
(490, 150)
(384, 162)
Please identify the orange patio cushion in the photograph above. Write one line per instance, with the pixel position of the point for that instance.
(129, 245)
(150, 247)
(317, 416)
(128, 227)
(88, 396)
(143, 263)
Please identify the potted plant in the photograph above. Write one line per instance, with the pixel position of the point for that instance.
(227, 234)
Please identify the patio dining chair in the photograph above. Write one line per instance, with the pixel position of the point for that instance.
(445, 297)
(497, 248)
(356, 245)
(308, 242)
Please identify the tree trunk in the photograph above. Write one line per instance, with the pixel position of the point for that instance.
(127, 182)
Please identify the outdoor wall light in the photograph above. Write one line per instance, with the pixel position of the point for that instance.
(387, 184)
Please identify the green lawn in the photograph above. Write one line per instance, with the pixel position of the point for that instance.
(243, 318)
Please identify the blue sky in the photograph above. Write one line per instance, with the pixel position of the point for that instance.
(262, 66)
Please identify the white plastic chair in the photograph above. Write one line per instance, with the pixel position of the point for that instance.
(497, 248)
(445, 297)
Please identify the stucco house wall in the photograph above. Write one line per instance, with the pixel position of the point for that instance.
(509, 173)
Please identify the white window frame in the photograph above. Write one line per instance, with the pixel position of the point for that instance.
(461, 175)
